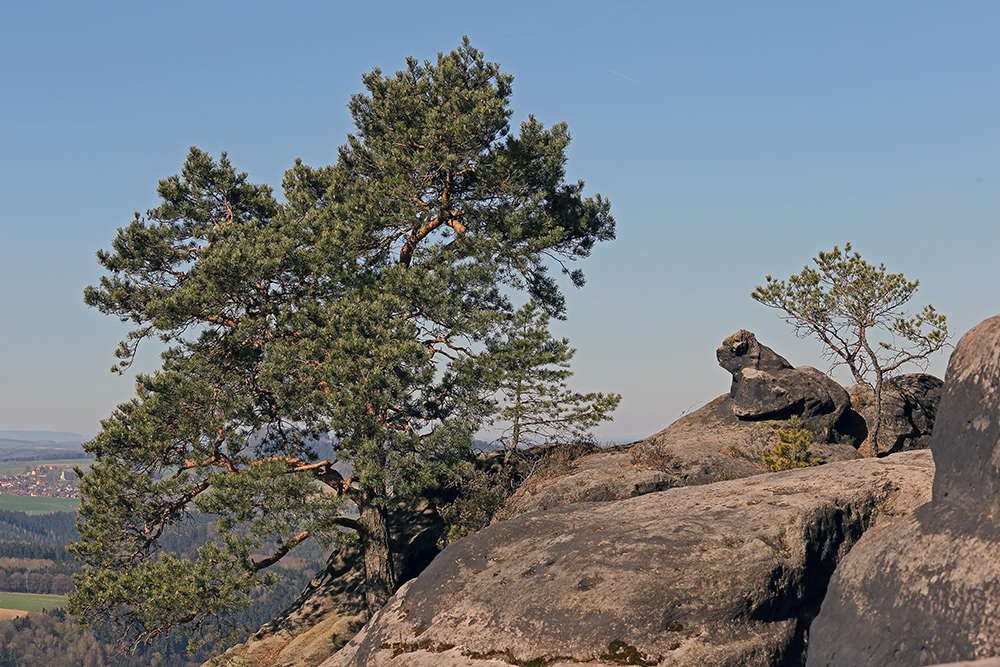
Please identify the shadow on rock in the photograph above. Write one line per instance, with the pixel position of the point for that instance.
(926, 589)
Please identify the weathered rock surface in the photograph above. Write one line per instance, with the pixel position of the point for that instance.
(331, 609)
(708, 445)
(766, 386)
(966, 442)
(926, 589)
(327, 614)
(721, 440)
(608, 475)
(923, 590)
(909, 407)
(724, 574)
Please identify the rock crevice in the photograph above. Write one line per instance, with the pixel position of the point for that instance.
(926, 589)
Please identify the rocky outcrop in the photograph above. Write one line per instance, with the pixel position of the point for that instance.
(721, 440)
(706, 446)
(723, 574)
(909, 407)
(926, 589)
(728, 573)
(609, 475)
(966, 442)
(694, 450)
(331, 609)
(327, 614)
(766, 386)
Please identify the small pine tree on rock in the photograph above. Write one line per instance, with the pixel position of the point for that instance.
(792, 450)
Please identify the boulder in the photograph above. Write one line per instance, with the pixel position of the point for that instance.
(729, 573)
(909, 408)
(966, 441)
(926, 589)
(766, 386)
(920, 591)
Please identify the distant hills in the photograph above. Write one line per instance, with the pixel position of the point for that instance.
(40, 445)
(47, 437)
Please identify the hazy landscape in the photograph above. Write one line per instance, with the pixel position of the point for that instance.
(36, 570)
(390, 289)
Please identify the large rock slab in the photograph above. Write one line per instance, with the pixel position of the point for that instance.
(723, 574)
(926, 589)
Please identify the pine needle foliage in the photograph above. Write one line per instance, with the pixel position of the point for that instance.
(858, 311)
(532, 368)
(360, 305)
(792, 448)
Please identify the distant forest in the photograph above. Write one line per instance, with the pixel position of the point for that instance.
(32, 446)
(33, 559)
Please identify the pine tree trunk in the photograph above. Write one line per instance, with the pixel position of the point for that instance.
(876, 426)
(515, 438)
(380, 574)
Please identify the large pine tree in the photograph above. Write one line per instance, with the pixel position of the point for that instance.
(360, 307)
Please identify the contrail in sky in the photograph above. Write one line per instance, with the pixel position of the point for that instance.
(632, 80)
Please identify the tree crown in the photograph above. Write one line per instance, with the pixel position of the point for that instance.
(846, 302)
(362, 307)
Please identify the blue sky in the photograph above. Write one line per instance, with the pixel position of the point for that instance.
(734, 140)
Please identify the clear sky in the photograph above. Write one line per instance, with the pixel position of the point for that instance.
(734, 140)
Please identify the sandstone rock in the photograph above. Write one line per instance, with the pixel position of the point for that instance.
(966, 440)
(909, 408)
(923, 590)
(331, 609)
(608, 475)
(926, 589)
(766, 386)
(708, 445)
(721, 440)
(722, 574)
(327, 614)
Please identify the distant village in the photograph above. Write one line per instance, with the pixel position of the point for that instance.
(45, 480)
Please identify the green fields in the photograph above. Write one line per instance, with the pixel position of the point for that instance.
(30, 601)
(37, 504)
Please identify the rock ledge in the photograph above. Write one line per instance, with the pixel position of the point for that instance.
(724, 574)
